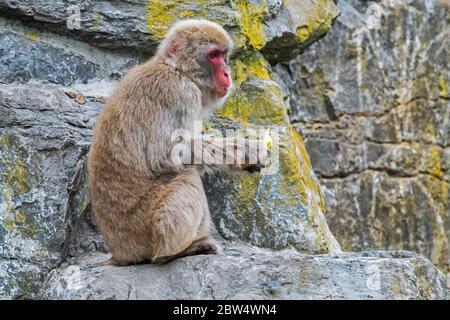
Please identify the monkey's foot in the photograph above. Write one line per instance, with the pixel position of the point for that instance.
(203, 245)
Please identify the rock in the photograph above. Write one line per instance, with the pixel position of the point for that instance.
(298, 24)
(30, 55)
(140, 25)
(245, 272)
(280, 208)
(47, 232)
(23, 59)
(373, 202)
(108, 24)
(44, 140)
(372, 101)
(85, 47)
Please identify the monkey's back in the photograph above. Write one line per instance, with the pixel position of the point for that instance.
(131, 184)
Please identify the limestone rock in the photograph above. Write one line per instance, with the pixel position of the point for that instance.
(30, 55)
(255, 25)
(87, 47)
(22, 59)
(371, 100)
(44, 139)
(274, 209)
(47, 233)
(245, 272)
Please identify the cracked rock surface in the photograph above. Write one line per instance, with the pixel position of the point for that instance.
(54, 81)
(245, 272)
(374, 108)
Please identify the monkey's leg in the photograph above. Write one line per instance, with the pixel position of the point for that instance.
(166, 221)
(182, 218)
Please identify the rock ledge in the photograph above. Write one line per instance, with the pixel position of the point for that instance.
(246, 272)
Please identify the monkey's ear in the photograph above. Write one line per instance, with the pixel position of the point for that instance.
(172, 50)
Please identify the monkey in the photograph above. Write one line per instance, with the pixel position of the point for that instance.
(148, 207)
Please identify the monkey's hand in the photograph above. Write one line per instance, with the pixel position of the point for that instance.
(234, 153)
(252, 168)
(256, 156)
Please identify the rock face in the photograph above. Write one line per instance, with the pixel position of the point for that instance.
(249, 273)
(59, 60)
(84, 48)
(372, 101)
(274, 209)
(44, 140)
(267, 25)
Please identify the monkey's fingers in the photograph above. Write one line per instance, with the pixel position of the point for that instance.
(252, 168)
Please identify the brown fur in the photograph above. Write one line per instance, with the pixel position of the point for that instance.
(147, 207)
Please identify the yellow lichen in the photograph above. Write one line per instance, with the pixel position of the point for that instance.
(84, 206)
(250, 66)
(27, 224)
(32, 36)
(396, 286)
(9, 224)
(250, 18)
(307, 168)
(422, 284)
(248, 106)
(303, 33)
(96, 19)
(248, 185)
(162, 14)
(186, 14)
(433, 161)
(443, 86)
(20, 217)
(430, 130)
(297, 174)
(318, 22)
(439, 189)
(13, 182)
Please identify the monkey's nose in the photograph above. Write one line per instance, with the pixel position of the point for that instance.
(225, 74)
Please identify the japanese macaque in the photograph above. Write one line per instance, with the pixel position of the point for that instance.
(148, 207)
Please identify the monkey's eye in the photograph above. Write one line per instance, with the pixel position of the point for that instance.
(214, 54)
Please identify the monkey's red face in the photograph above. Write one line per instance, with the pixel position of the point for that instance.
(221, 77)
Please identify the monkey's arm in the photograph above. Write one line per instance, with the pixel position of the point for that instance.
(230, 153)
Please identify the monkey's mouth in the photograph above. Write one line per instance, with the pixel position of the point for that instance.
(221, 92)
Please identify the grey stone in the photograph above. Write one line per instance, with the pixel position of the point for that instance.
(372, 102)
(44, 140)
(334, 158)
(116, 24)
(374, 210)
(22, 60)
(274, 209)
(31, 55)
(141, 24)
(353, 123)
(245, 272)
